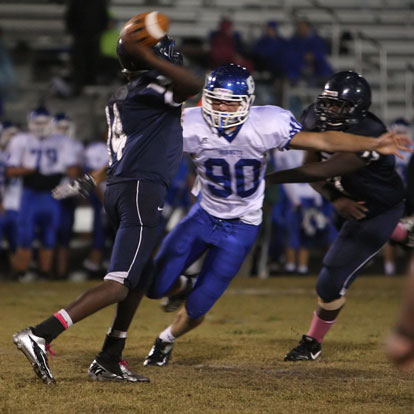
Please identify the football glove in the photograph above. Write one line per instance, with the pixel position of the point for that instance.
(80, 187)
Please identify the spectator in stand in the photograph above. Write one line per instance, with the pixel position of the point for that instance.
(226, 46)
(86, 21)
(307, 56)
(269, 52)
(109, 60)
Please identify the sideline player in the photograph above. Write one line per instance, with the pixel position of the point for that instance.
(10, 192)
(228, 140)
(366, 192)
(41, 160)
(145, 146)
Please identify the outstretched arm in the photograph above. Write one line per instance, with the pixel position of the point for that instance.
(338, 164)
(336, 141)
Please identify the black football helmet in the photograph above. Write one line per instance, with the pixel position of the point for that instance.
(165, 48)
(344, 101)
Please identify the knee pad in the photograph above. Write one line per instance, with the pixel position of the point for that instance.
(332, 305)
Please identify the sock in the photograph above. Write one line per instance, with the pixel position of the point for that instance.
(319, 328)
(167, 336)
(112, 348)
(389, 268)
(54, 326)
(302, 269)
(290, 267)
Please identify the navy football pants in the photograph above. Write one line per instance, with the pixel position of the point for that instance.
(358, 242)
(134, 209)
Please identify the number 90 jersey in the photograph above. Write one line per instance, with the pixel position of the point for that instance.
(230, 172)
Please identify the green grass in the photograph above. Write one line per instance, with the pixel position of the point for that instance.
(233, 363)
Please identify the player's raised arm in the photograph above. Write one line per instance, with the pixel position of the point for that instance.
(337, 141)
(145, 41)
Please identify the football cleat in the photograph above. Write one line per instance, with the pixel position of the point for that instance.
(308, 349)
(160, 353)
(35, 349)
(172, 303)
(98, 372)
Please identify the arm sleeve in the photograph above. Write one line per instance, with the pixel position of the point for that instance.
(191, 123)
(279, 126)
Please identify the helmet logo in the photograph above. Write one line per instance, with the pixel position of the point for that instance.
(327, 92)
(223, 91)
(250, 85)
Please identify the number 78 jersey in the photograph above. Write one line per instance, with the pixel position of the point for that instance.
(230, 172)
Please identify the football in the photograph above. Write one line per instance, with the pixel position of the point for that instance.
(146, 28)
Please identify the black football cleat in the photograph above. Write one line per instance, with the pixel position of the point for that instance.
(172, 303)
(160, 353)
(309, 349)
(98, 372)
(35, 349)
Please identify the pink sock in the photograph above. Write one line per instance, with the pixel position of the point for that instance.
(399, 233)
(319, 328)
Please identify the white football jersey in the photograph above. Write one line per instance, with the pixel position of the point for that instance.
(230, 175)
(51, 155)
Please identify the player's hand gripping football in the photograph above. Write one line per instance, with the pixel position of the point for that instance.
(393, 143)
(80, 187)
(142, 32)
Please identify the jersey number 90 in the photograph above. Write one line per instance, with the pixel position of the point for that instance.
(218, 170)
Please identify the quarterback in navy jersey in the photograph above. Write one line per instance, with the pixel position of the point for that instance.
(229, 140)
(145, 149)
(366, 192)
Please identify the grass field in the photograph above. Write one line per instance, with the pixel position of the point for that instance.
(233, 363)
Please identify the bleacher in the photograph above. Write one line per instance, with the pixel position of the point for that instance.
(382, 31)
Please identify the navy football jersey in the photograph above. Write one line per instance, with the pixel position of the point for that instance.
(378, 183)
(145, 138)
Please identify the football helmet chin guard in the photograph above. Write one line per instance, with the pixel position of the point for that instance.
(231, 83)
(344, 101)
(165, 48)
